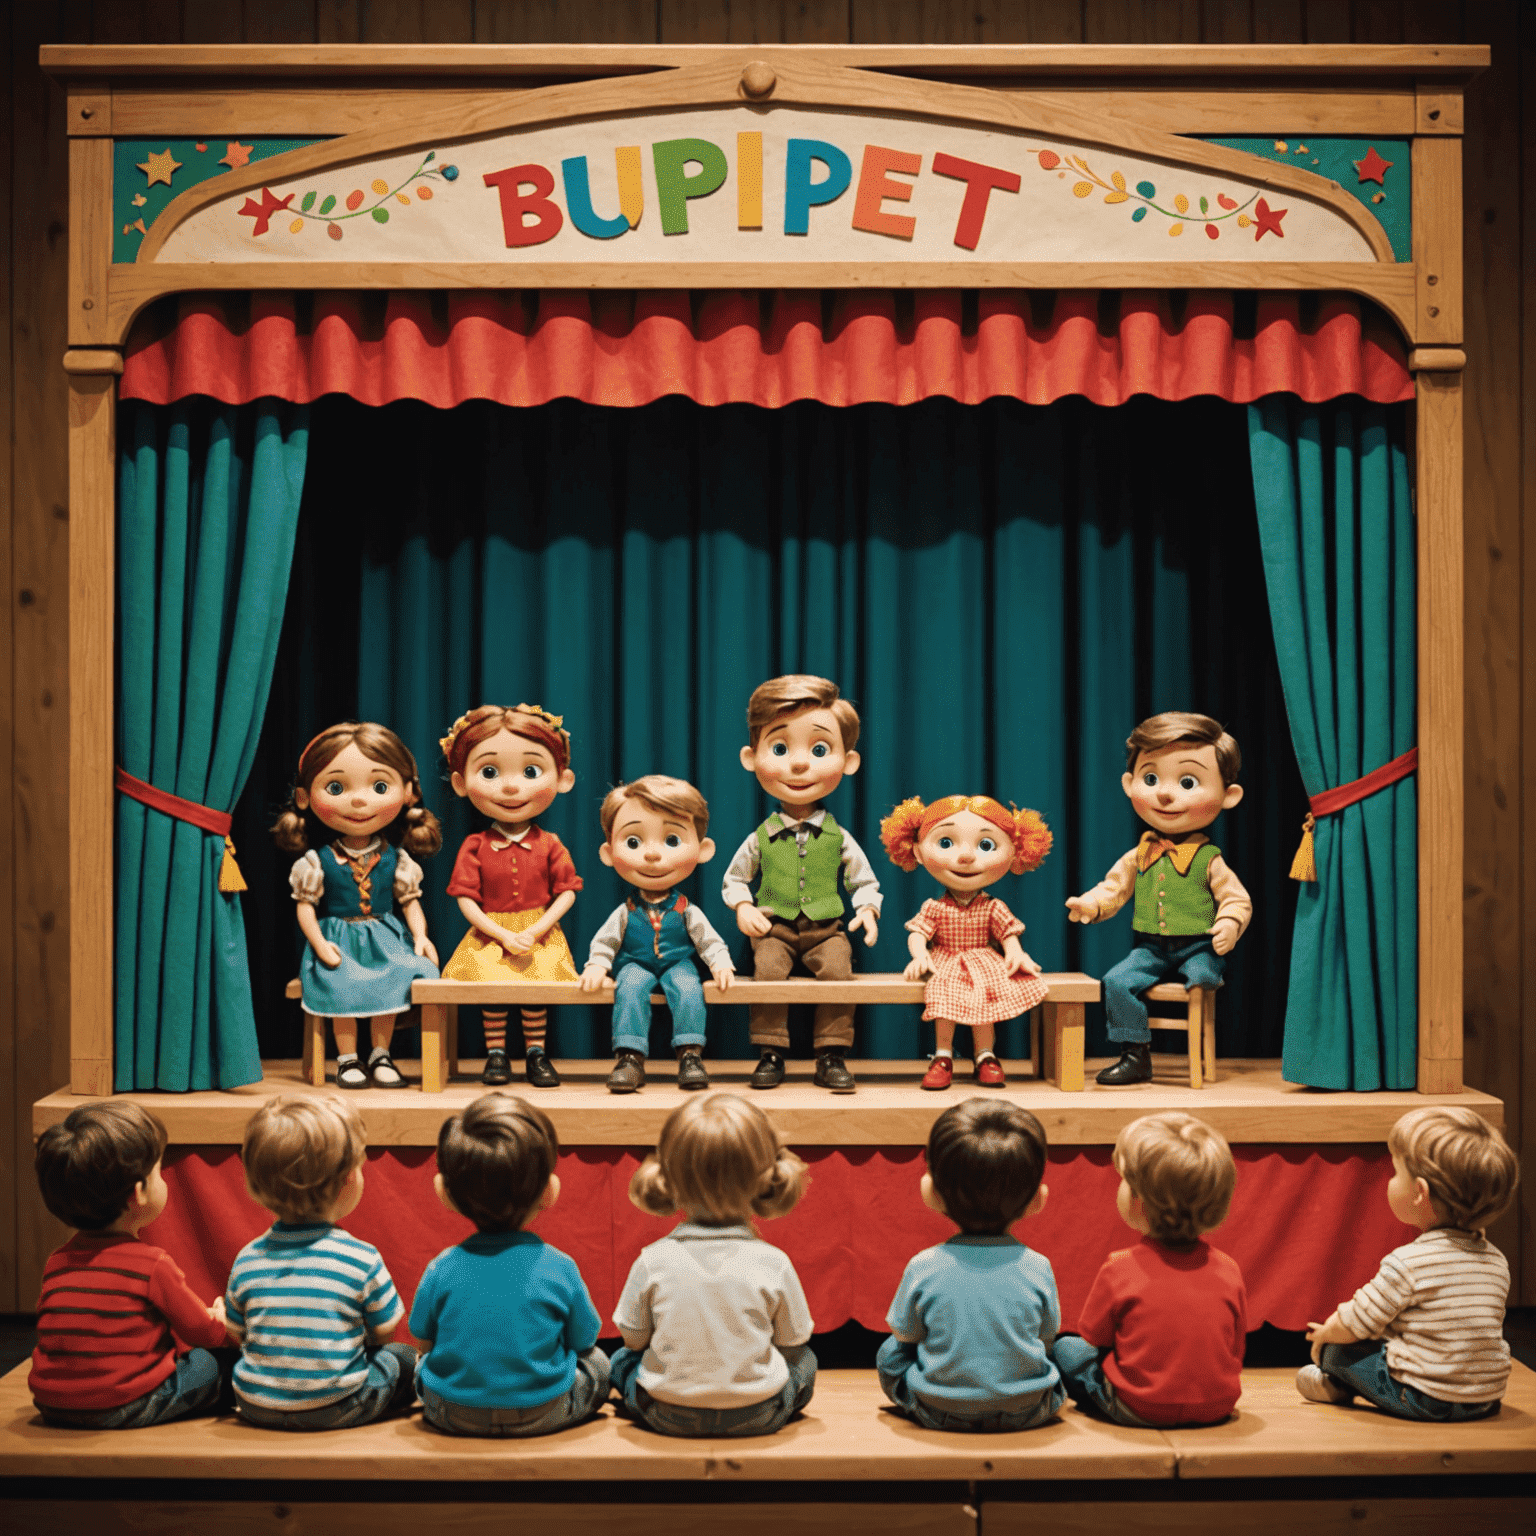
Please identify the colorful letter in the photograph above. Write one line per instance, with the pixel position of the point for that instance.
(631, 190)
(875, 185)
(801, 194)
(749, 181)
(674, 189)
(547, 217)
(979, 181)
(578, 198)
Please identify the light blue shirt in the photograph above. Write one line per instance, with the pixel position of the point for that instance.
(983, 1313)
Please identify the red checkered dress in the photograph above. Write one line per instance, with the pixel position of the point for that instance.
(970, 983)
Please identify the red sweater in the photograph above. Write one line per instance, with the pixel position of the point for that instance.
(1175, 1323)
(105, 1318)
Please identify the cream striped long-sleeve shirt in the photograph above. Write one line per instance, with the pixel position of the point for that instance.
(1439, 1303)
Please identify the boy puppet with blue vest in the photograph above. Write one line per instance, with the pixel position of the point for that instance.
(1190, 909)
(801, 740)
(654, 836)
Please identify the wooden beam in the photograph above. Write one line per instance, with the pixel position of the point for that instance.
(1437, 261)
(90, 240)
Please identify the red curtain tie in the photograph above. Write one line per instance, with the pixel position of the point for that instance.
(204, 816)
(1330, 801)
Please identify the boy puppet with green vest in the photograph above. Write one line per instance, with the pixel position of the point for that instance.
(1190, 909)
(801, 743)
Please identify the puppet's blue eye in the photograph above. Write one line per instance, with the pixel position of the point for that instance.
(1189, 781)
(490, 771)
(986, 845)
(335, 787)
(532, 771)
(381, 786)
(1149, 779)
(674, 841)
(779, 749)
(820, 749)
(632, 843)
(946, 842)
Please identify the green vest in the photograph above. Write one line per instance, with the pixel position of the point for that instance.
(1172, 905)
(795, 886)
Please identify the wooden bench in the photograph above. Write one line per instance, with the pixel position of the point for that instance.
(1055, 1028)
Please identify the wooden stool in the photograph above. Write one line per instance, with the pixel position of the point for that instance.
(1198, 1023)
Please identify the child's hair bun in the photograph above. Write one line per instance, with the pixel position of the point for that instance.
(649, 1191)
(423, 832)
(1031, 840)
(898, 832)
(782, 1186)
(290, 833)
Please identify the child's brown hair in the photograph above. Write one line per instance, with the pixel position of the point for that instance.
(1159, 731)
(1181, 1170)
(298, 1153)
(89, 1164)
(496, 1159)
(986, 1158)
(1471, 1173)
(720, 1160)
(657, 792)
(530, 721)
(792, 695)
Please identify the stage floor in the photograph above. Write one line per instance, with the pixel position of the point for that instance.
(1248, 1103)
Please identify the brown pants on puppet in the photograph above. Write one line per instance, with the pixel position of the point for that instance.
(823, 949)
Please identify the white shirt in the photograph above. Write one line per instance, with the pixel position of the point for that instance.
(709, 1305)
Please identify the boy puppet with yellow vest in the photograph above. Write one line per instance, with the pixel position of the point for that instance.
(1190, 909)
(801, 743)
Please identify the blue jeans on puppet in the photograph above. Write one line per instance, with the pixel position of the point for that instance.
(390, 1388)
(896, 1359)
(1082, 1374)
(199, 1384)
(1362, 1368)
(1190, 959)
(586, 1394)
(755, 1419)
(681, 987)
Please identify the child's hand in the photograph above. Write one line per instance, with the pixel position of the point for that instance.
(1223, 934)
(425, 946)
(1081, 910)
(593, 978)
(327, 954)
(724, 976)
(216, 1312)
(1331, 1332)
(918, 967)
(1017, 961)
(518, 943)
(753, 921)
(868, 922)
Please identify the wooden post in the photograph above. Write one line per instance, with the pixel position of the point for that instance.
(434, 1047)
(1064, 1026)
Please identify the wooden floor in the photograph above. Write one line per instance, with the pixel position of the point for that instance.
(1248, 1103)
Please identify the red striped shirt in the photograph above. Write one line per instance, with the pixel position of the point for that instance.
(109, 1307)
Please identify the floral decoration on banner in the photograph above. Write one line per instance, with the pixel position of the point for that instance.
(333, 211)
(1262, 220)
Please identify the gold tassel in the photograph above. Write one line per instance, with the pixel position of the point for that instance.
(230, 878)
(1304, 865)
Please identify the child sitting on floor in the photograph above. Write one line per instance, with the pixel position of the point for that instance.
(510, 1331)
(112, 1306)
(312, 1304)
(1165, 1323)
(715, 1325)
(973, 1319)
(1424, 1339)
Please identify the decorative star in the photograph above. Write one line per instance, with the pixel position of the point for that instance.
(160, 166)
(202, 149)
(139, 199)
(1267, 220)
(262, 212)
(236, 154)
(1373, 167)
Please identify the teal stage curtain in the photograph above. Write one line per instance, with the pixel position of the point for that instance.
(1336, 524)
(208, 502)
(1003, 589)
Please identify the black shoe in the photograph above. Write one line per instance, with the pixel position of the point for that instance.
(498, 1069)
(628, 1072)
(1134, 1066)
(769, 1071)
(351, 1073)
(831, 1073)
(690, 1071)
(540, 1070)
(384, 1072)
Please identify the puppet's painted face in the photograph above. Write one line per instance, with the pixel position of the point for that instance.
(800, 759)
(653, 849)
(1178, 788)
(355, 797)
(965, 852)
(511, 779)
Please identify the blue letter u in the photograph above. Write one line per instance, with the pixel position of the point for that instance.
(801, 194)
(578, 200)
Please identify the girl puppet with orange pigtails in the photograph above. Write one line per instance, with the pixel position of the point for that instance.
(515, 881)
(357, 819)
(967, 943)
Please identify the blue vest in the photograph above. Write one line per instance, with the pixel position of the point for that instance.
(343, 896)
(656, 948)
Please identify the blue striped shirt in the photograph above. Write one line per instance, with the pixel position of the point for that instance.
(306, 1300)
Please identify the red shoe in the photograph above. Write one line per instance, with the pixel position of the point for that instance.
(941, 1073)
(989, 1073)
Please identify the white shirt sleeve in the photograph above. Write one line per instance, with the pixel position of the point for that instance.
(713, 950)
(632, 1316)
(737, 885)
(408, 878)
(307, 879)
(608, 938)
(860, 878)
(792, 1323)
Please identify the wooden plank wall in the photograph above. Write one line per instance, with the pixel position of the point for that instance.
(1500, 224)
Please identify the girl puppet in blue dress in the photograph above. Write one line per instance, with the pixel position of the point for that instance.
(357, 786)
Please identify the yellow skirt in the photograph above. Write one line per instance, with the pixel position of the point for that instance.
(481, 959)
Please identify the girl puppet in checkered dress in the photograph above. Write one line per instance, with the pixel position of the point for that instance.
(967, 943)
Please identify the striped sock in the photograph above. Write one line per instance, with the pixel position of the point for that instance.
(535, 1021)
(495, 1030)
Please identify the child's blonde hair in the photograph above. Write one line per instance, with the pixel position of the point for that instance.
(793, 694)
(299, 1152)
(1181, 1170)
(721, 1161)
(1471, 1173)
(657, 792)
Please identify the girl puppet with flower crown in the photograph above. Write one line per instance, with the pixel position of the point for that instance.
(357, 785)
(516, 881)
(967, 943)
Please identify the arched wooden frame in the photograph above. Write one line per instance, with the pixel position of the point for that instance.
(1137, 99)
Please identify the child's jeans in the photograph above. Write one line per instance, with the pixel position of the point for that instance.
(391, 1387)
(632, 987)
(896, 1359)
(585, 1396)
(198, 1383)
(754, 1419)
(1362, 1368)
(1191, 960)
(1082, 1374)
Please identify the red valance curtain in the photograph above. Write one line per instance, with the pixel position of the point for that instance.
(768, 349)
